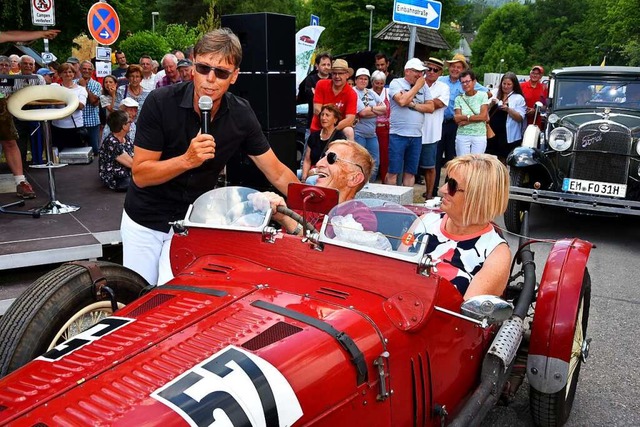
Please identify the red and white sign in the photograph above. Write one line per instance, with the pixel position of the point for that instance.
(103, 23)
(43, 13)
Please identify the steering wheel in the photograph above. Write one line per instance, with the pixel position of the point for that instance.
(297, 218)
(48, 93)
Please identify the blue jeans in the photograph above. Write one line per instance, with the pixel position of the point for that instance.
(94, 138)
(404, 153)
(371, 144)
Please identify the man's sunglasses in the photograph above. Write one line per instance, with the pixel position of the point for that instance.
(333, 157)
(433, 70)
(205, 69)
(452, 186)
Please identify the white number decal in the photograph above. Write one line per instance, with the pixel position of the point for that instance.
(232, 388)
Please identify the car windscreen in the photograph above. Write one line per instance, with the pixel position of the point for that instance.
(598, 92)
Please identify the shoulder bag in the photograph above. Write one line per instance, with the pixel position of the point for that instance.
(490, 132)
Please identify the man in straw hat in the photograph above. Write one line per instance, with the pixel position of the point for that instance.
(447, 145)
(336, 91)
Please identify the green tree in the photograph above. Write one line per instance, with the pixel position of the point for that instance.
(144, 42)
(503, 35)
(180, 36)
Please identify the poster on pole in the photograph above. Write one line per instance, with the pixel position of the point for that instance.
(43, 13)
(306, 41)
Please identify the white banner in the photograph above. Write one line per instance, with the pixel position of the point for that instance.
(306, 41)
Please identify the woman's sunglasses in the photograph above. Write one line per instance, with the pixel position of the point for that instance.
(205, 69)
(452, 186)
(333, 157)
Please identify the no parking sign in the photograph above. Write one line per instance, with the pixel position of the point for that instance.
(103, 23)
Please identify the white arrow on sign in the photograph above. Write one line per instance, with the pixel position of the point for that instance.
(431, 13)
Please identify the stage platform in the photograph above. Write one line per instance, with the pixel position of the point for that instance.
(26, 241)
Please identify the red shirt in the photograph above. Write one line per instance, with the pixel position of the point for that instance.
(346, 100)
(533, 95)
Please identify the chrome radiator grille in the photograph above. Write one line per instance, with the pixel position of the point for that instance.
(601, 152)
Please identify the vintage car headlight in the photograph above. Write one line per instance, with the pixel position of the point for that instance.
(560, 139)
(638, 146)
(553, 118)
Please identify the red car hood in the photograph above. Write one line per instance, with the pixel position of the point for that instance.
(141, 366)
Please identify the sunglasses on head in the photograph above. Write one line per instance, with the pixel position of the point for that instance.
(205, 69)
(452, 186)
(333, 157)
(434, 69)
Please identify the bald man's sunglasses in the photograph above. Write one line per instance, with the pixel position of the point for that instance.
(333, 157)
(205, 69)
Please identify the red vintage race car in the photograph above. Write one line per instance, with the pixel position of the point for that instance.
(260, 328)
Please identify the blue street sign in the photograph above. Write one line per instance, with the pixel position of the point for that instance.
(315, 20)
(421, 13)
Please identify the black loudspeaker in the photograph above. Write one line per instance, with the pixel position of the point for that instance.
(272, 98)
(267, 39)
(243, 172)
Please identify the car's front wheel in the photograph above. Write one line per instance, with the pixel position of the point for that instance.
(58, 306)
(516, 208)
(553, 409)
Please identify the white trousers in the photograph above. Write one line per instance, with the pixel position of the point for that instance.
(146, 251)
(469, 144)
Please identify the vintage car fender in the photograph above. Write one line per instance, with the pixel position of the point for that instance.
(535, 160)
(557, 306)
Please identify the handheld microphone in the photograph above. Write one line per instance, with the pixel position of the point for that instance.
(205, 104)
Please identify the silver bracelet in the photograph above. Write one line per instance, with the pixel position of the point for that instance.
(296, 230)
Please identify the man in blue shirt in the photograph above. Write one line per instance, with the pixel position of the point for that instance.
(91, 111)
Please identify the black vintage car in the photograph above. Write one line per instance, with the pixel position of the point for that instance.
(587, 157)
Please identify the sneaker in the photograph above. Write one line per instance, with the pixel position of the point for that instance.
(25, 190)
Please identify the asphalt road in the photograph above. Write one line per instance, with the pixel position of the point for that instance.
(609, 383)
(609, 386)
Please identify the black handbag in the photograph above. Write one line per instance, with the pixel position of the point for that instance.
(82, 133)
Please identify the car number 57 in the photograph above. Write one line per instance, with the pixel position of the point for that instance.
(232, 388)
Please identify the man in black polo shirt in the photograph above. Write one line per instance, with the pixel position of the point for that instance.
(174, 163)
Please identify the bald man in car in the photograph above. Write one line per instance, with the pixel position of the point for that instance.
(346, 166)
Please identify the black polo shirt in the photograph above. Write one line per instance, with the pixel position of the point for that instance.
(167, 123)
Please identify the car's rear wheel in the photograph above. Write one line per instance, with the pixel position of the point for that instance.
(516, 208)
(57, 306)
(553, 409)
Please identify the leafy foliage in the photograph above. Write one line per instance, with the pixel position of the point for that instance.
(180, 36)
(144, 42)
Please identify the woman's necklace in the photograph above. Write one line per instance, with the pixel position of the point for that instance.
(135, 92)
(324, 135)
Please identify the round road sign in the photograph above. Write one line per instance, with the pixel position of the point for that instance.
(103, 23)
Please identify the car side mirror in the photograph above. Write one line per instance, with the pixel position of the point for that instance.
(487, 308)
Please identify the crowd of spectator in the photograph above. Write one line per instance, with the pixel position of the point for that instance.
(413, 124)
(125, 89)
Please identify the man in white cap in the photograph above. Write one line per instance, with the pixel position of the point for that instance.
(130, 106)
(336, 91)
(370, 106)
(410, 99)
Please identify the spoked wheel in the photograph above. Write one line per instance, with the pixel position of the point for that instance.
(516, 208)
(550, 410)
(58, 306)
